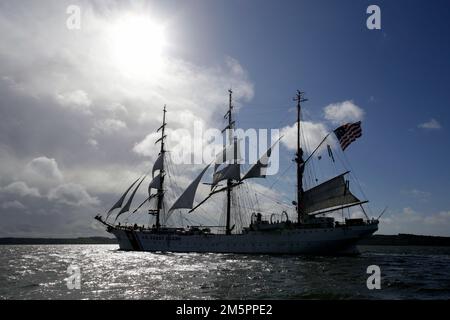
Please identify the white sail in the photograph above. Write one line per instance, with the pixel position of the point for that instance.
(159, 164)
(331, 193)
(126, 207)
(186, 200)
(259, 170)
(119, 203)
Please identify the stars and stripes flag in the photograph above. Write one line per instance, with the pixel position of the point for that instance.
(348, 133)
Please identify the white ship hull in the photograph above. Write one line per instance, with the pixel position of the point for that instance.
(339, 240)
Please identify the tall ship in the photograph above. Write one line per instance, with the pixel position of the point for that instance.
(310, 228)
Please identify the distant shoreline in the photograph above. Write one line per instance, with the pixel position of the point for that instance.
(406, 240)
(376, 240)
(80, 240)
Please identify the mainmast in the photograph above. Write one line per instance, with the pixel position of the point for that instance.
(299, 159)
(160, 194)
(229, 181)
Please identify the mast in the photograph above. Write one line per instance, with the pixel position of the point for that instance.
(229, 181)
(160, 193)
(299, 159)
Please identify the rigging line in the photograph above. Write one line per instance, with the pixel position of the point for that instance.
(253, 202)
(237, 214)
(269, 106)
(247, 194)
(286, 197)
(261, 112)
(204, 214)
(206, 218)
(277, 124)
(255, 209)
(311, 170)
(284, 172)
(277, 201)
(353, 174)
(309, 157)
(288, 115)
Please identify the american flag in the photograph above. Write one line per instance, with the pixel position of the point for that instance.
(348, 133)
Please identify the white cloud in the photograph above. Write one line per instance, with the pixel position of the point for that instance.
(22, 189)
(70, 59)
(441, 218)
(93, 143)
(432, 124)
(342, 112)
(77, 100)
(146, 147)
(108, 126)
(13, 205)
(72, 194)
(418, 194)
(111, 179)
(235, 66)
(42, 172)
(312, 134)
(409, 220)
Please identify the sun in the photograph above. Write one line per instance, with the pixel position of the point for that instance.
(137, 44)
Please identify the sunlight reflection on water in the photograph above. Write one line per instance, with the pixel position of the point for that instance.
(39, 272)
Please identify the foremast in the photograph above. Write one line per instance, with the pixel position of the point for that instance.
(157, 183)
(160, 190)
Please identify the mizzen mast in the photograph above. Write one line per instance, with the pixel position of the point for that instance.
(299, 159)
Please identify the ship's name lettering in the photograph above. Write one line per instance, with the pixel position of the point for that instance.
(164, 238)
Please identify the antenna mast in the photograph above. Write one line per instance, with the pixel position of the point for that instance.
(299, 159)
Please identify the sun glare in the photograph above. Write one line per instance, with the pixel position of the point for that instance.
(137, 45)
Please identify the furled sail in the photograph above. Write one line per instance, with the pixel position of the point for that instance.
(155, 184)
(119, 203)
(331, 193)
(126, 207)
(159, 164)
(259, 169)
(231, 171)
(186, 200)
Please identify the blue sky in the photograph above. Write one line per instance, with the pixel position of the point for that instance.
(399, 76)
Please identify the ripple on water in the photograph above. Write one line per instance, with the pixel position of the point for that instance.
(39, 272)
